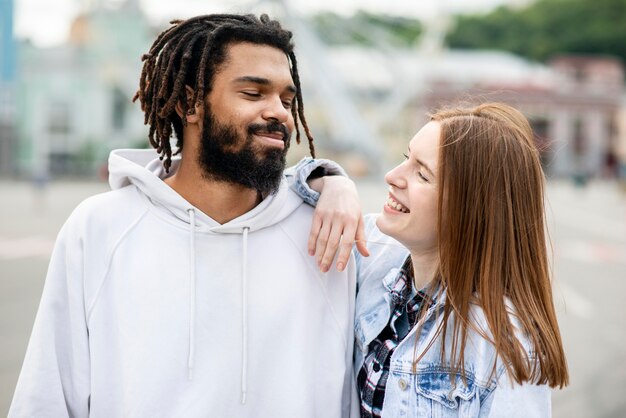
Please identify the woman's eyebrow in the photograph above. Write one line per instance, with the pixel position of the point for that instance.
(422, 163)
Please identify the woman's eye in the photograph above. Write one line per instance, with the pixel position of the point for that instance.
(419, 173)
(287, 104)
(406, 157)
(251, 94)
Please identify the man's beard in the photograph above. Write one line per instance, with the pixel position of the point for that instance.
(226, 156)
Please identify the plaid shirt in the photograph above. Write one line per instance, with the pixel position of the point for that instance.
(372, 378)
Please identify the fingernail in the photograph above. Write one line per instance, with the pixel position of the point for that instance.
(324, 268)
(340, 266)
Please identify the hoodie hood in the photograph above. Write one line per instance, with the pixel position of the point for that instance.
(143, 169)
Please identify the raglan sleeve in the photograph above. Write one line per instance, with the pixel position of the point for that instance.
(55, 376)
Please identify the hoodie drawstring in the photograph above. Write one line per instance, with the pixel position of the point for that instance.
(192, 304)
(192, 291)
(244, 317)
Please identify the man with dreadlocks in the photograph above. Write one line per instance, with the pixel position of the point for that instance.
(187, 291)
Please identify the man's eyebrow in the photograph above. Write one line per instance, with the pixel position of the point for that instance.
(262, 81)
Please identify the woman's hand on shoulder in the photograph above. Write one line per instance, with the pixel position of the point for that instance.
(337, 222)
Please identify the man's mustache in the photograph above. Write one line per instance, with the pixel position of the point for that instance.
(256, 128)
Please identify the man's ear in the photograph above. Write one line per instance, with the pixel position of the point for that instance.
(194, 113)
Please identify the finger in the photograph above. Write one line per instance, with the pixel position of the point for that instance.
(345, 248)
(360, 238)
(316, 226)
(331, 248)
(321, 242)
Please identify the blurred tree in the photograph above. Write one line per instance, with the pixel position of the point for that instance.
(364, 28)
(546, 28)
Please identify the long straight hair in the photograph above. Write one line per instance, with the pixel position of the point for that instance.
(492, 241)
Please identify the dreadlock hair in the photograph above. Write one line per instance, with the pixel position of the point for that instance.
(190, 53)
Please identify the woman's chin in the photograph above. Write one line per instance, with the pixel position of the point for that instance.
(382, 222)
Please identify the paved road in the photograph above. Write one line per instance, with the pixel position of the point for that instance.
(588, 230)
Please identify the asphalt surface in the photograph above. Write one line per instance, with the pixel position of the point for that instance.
(587, 228)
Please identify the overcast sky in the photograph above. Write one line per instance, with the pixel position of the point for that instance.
(46, 22)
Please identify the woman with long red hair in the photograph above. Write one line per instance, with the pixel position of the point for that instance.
(455, 314)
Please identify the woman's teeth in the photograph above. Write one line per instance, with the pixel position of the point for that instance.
(397, 206)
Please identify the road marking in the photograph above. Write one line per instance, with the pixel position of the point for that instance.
(587, 222)
(25, 247)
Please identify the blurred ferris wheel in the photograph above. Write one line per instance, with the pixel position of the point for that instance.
(349, 127)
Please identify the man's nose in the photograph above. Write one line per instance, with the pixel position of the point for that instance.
(276, 110)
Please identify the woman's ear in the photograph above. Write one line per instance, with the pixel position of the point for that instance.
(193, 113)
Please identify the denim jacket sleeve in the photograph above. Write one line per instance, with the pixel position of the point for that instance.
(513, 400)
(297, 176)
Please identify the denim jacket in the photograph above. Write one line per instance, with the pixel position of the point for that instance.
(428, 391)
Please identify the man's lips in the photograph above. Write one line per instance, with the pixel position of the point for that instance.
(271, 139)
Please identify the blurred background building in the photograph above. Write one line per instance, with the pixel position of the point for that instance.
(573, 102)
(73, 100)
(8, 138)
(369, 83)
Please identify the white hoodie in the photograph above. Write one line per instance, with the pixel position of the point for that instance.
(153, 309)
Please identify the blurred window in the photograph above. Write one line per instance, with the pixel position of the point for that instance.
(540, 128)
(578, 138)
(119, 102)
(59, 118)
